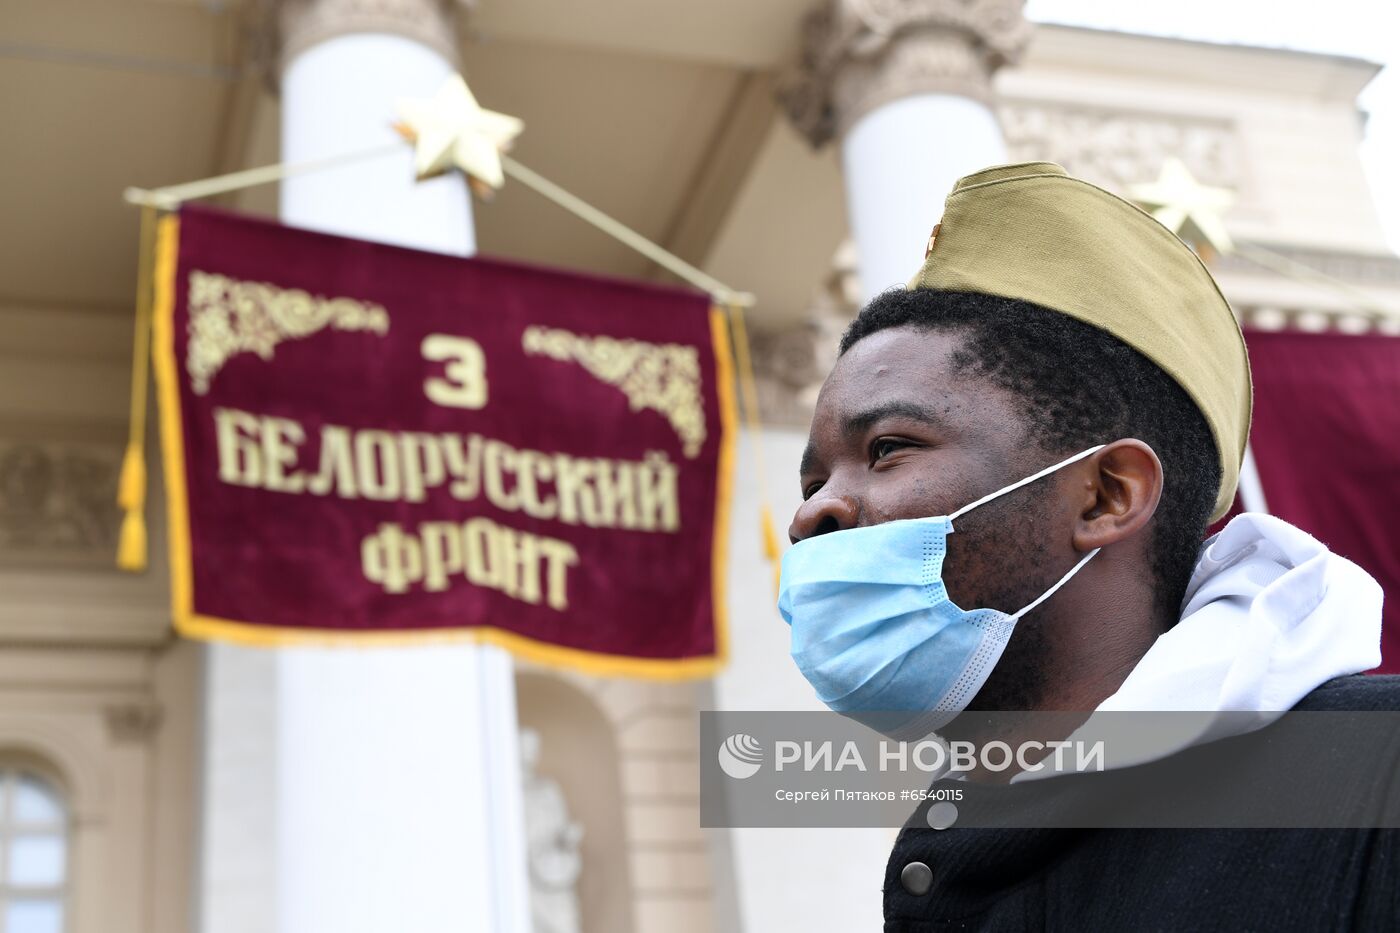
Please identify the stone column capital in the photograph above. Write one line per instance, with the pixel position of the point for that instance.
(293, 26)
(860, 54)
(792, 362)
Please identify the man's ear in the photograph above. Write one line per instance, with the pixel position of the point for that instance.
(1122, 486)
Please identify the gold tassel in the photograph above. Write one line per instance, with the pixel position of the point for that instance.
(131, 496)
(131, 488)
(132, 547)
(772, 549)
(748, 393)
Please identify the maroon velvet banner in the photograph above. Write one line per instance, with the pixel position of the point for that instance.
(1326, 440)
(364, 442)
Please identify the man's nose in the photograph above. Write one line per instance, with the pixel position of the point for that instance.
(823, 513)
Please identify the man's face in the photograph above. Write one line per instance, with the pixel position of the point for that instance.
(901, 431)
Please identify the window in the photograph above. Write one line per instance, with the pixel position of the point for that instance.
(33, 853)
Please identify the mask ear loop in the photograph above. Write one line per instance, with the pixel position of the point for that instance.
(1051, 592)
(1029, 479)
(1017, 485)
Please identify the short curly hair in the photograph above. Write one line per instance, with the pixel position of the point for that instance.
(1081, 386)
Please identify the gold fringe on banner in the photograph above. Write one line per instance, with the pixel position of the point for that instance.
(133, 549)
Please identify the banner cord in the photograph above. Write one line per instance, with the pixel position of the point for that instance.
(172, 196)
(132, 544)
(619, 231)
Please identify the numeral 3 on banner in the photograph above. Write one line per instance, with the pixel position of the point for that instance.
(463, 382)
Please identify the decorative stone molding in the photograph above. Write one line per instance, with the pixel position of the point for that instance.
(1315, 320)
(1362, 269)
(77, 761)
(860, 54)
(58, 502)
(791, 365)
(296, 25)
(130, 723)
(1119, 148)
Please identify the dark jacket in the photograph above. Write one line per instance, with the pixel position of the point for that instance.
(1158, 879)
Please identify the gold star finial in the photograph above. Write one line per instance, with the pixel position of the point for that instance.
(451, 130)
(1186, 207)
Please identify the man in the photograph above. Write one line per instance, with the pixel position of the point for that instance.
(1065, 384)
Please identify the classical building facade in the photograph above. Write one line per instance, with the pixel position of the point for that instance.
(796, 150)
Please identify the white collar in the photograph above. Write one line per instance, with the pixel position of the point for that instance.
(1270, 614)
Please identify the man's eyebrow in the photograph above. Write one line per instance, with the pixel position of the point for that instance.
(862, 420)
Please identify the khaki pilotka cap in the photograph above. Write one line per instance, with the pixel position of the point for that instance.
(1031, 232)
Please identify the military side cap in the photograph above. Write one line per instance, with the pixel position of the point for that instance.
(1032, 232)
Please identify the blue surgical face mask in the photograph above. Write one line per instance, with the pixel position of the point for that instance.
(873, 627)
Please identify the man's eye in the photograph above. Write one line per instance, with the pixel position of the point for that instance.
(810, 490)
(883, 447)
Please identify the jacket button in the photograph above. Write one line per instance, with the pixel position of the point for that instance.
(917, 878)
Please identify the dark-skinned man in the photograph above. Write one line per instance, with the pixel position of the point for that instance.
(1063, 385)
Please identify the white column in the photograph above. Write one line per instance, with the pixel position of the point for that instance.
(900, 162)
(906, 88)
(341, 95)
(398, 772)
